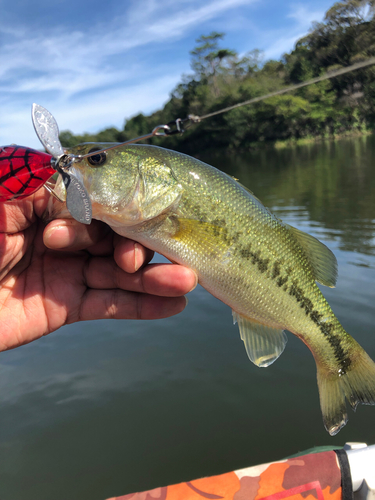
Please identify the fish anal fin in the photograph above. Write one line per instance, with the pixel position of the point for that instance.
(263, 344)
(321, 258)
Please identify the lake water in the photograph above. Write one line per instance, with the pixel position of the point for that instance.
(110, 407)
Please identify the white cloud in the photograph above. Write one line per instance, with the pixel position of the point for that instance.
(67, 57)
(187, 18)
(89, 114)
(281, 46)
(305, 17)
(284, 39)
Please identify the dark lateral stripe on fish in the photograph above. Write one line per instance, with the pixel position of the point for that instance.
(334, 341)
(256, 259)
(341, 356)
(343, 359)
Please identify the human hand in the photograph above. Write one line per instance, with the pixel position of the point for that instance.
(66, 272)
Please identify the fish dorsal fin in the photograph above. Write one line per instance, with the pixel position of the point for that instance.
(321, 258)
(240, 183)
(246, 189)
(263, 344)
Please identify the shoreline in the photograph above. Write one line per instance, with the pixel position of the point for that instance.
(278, 145)
(317, 139)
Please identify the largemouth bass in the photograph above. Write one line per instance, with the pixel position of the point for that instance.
(265, 270)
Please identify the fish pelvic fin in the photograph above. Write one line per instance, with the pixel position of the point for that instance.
(263, 343)
(356, 384)
(322, 260)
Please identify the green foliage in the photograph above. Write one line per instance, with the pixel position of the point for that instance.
(221, 78)
(207, 56)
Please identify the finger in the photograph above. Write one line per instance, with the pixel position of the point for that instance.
(119, 304)
(16, 216)
(13, 248)
(130, 255)
(71, 235)
(168, 280)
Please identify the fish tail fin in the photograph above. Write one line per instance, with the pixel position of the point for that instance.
(357, 385)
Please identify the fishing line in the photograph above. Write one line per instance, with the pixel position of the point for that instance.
(178, 124)
(326, 76)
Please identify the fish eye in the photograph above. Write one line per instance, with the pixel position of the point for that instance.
(97, 160)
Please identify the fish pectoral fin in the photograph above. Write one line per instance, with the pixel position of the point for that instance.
(321, 258)
(263, 344)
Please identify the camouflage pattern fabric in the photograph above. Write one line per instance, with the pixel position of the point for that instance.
(316, 476)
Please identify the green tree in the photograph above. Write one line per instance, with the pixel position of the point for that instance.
(207, 58)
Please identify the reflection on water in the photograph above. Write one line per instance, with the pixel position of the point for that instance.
(105, 408)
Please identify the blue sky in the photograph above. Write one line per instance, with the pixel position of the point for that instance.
(94, 63)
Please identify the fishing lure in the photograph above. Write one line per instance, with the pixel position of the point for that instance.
(24, 170)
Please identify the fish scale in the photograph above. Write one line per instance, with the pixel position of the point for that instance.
(265, 270)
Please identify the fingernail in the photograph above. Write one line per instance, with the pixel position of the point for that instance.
(195, 284)
(136, 256)
(59, 237)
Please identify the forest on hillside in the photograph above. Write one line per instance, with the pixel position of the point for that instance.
(220, 78)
